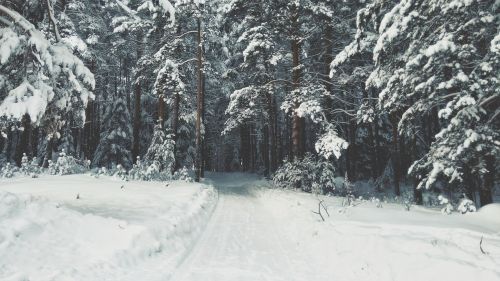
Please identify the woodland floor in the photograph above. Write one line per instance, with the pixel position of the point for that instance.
(233, 227)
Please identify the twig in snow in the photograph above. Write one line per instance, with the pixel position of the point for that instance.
(481, 246)
(324, 207)
(320, 205)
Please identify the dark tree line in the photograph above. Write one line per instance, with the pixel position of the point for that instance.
(400, 93)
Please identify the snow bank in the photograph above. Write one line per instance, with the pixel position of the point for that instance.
(115, 230)
(388, 243)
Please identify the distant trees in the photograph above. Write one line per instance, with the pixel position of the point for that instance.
(400, 93)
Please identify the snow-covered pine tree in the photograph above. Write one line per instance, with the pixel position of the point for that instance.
(161, 151)
(47, 84)
(115, 141)
(442, 55)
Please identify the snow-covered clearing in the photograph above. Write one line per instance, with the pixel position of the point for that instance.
(146, 231)
(138, 232)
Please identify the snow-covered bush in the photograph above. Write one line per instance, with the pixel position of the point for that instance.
(447, 206)
(8, 171)
(30, 168)
(66, 165)
(120, 172)
(183, 175)
(148, 172)
(466, 206)
(24, 164)
(311, 174)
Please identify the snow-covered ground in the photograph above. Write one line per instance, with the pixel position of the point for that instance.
(147, 231)
(139, 232)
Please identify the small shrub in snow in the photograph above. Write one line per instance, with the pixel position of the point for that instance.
(447, 206)
(466, 206)
(25, 165)
(100, 172)
(66, 165)
(51, 168)
(8, 171)
(29, 168)
(311, 174)
(142, 171)
(183, 175)
(120, 173)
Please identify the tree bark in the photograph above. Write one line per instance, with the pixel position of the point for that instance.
(161, 111)
(136, 148)
(136, 145)
(271, 133)
(417, 192)
(297, 130)
(351, 151)
(485, 195)
(199, 111)
(395, 154)
(245, 148)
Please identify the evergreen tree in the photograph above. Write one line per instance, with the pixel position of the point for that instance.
(115, 141)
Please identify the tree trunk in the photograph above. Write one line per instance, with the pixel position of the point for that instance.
(48, 151)
(485, 195)
(265, 151)
(175, 126)
(297, 130)
(327, 59)
(245, 148)
(271, 133)
(395, 154)
(136, 146)
(161, 111)
(417, 192)
(24, 145)
(351, 151)
(199, 111)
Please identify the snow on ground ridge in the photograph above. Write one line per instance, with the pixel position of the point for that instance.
(45, 239)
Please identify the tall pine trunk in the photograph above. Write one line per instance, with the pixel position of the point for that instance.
(395, 155)
(199, 107)
(485, 195)
(297, 123)
(136, 145)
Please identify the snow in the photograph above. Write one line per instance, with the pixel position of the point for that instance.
(9, 42)
(168, 8)
(138, 232)
(26, 99)
(331, 144)
(261, 234)
(147, 231)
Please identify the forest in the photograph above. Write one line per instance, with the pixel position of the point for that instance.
(246, 140)
(403, 95)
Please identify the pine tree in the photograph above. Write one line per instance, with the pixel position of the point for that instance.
(115, 141)
(161, 150)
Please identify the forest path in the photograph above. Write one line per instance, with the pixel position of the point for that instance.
(244, 240)
(259, 233)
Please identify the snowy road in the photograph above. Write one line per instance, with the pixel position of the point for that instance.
(261, 234)
(242, 242)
